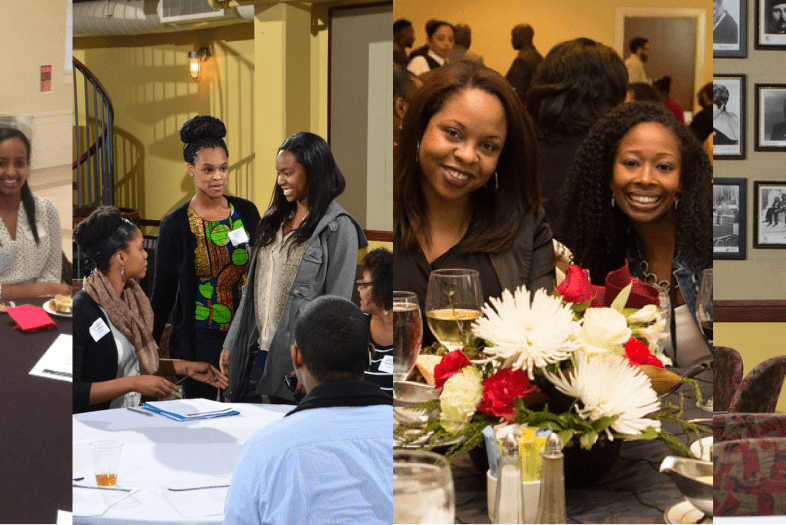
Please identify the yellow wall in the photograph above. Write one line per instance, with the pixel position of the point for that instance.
(756, 342)
(553, 21)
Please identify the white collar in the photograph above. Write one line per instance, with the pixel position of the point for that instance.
(437, 57)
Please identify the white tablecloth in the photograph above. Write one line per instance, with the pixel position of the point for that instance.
(160, 453)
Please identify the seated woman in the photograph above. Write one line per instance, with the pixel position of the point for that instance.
(376, 301)
(466, 189)
(641, 191)
(115, 357)
(31, 248)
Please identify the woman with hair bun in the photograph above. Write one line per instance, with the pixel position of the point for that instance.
(203, 254)
(115, 357)
(307, 247)
(31, 261)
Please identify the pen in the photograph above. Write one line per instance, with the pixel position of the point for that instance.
(143, 412)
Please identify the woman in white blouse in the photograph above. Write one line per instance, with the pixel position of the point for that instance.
(30, 239)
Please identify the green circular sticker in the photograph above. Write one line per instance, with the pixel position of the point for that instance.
(202, 312)
(221, 314)
(237, 224)
(239, 256)
(206, 289)
(219, 234)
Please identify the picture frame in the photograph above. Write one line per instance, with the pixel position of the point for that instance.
(770, 116)
(729, 201)
(769, 218)
(729, 124)
(730, 30)
(770, 24)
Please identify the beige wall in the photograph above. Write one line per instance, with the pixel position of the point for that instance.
(553, 21)
(746, 279)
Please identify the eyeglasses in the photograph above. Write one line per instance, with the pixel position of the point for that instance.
(362, 284)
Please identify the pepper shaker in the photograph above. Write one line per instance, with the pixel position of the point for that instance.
(551, 504)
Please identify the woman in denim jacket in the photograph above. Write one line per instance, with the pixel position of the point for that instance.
(307, 247)
(641, 191)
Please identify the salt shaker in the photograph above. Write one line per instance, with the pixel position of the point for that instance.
(509, 503)
(551, 504)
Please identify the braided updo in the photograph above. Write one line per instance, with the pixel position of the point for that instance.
(202, 131)
(102, 233)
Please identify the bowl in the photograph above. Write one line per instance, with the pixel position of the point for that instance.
(702, 448)
(694, 479)
(407, 394)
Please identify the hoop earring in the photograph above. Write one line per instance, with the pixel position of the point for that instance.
(496, 181)
(417, 153)
(612, 201)
(676, 200)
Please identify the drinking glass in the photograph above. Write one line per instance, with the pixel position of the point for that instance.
(422, 488)
(704, 316)
(453, 302)
(407, 333)
(106, 461)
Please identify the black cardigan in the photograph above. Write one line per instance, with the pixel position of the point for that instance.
(94, 361)
(174, 285)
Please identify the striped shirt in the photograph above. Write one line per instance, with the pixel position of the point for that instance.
(318, 466)
(383, 379)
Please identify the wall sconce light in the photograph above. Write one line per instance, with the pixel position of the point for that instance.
(194, 60)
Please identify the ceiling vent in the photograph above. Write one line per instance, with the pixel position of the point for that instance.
(188, 11)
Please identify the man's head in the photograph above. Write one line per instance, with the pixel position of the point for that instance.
(640, 47)
(521, 36)
(462, 35)
(717, 10)
(403, 33)
(776, 15)
(331, 342)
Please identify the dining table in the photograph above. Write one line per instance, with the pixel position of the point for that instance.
(632, 491)
(36, 426)
(171, 472)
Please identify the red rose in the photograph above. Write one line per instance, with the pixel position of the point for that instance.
(501, 389)
(638, 354)
(450, 364)
(576, 288)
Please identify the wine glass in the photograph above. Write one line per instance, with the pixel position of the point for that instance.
(422, 488)
(453, 302)
(407, 333)
(704, 316)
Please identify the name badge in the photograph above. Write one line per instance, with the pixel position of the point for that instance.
(386, 365)
(98, 329)
(238, 236)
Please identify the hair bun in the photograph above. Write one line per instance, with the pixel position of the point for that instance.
(202, 127)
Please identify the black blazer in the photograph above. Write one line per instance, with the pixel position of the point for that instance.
(94, 361)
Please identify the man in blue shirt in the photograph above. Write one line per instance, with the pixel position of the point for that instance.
(330, 460)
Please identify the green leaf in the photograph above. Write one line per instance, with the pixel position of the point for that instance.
(622, 298)
(202, 312)
(206, 289)
(221, 314)
(239, 256)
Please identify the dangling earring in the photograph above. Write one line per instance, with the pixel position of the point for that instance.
(676, 200)
(417, 153)
(123, 270)
(385, 313)
(496, 181)
(612, 201)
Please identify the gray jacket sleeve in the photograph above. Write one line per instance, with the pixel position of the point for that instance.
(343, 257)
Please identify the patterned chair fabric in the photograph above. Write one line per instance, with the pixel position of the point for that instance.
(760, 389)
(750, 477)
(728, 427)
(727, 370)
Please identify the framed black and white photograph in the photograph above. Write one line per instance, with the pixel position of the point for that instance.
(728, 218)
(770, 24)
(728, 121)
(769, 202)
(729, 28)
(771, 117)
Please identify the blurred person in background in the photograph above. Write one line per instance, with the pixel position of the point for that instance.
(440, 44)
(526, 63)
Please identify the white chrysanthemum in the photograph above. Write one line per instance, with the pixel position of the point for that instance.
(603, 330)
(608, 386)
(459, 398)
(527, 335)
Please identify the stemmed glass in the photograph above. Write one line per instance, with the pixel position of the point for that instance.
(422, 488)
(407, 333)
(453, 302)
(704, 316)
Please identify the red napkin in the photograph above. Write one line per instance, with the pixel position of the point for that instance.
(30, 318)
(641, 293)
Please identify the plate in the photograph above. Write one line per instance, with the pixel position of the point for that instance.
(6, 305)
(418, 443)
(683, 513)
(702, 448)
(49, 307)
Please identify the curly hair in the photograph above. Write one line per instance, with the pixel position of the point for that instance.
(379, 264)
(720, 95)
(102, 234)
(602, 236)
(202, 131)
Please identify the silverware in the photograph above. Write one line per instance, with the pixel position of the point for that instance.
(143, 412)
(101, 488)
(199, 488)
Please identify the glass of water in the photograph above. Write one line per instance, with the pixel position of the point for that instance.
(422, 488)
(407, 333)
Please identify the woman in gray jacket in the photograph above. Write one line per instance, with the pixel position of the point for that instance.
(307, 247)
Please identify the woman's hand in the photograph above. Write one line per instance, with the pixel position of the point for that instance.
(299, 388)
(207, 373)
(223, 361)
(154, 386)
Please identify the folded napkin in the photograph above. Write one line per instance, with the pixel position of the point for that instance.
(30, 318)
(641, 293)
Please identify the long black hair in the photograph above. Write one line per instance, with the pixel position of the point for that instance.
(28, 203)
(323, 178)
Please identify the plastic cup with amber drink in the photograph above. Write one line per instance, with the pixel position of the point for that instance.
(106, 461)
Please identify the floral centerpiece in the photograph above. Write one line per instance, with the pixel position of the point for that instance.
(584, 361)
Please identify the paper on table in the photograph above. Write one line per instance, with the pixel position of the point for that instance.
(57, 361)
(187, 408)
(94, 502)
(198, 503)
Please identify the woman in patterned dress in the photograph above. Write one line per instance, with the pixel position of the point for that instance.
(202, 256)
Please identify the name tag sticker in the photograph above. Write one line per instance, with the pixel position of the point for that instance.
(238, 236)
(386, 365)
(98, 329)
